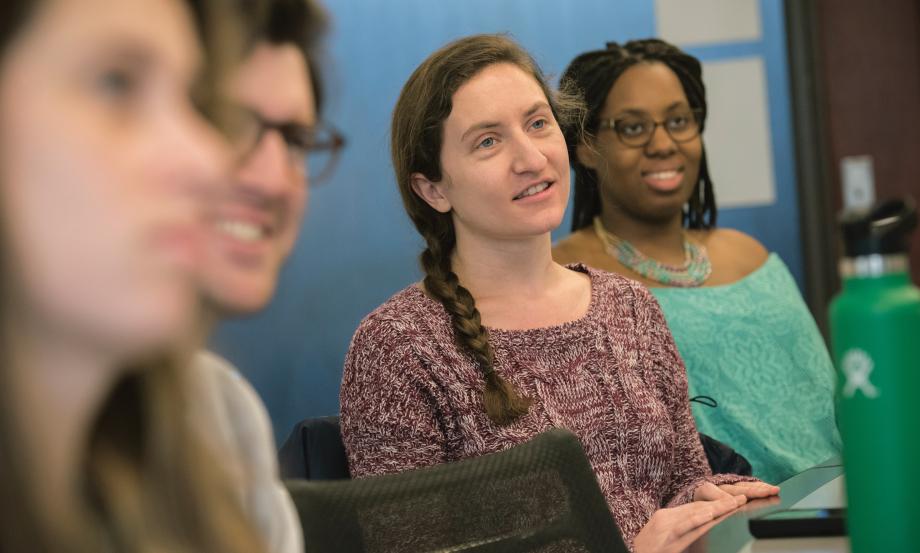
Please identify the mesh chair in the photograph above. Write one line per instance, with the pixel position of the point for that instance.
(541, 496)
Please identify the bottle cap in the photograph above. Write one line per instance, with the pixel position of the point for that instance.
(883, 229)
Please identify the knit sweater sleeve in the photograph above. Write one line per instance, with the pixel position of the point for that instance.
(389, 412)
(691, 468)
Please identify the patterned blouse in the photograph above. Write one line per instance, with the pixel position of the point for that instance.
(754, 347)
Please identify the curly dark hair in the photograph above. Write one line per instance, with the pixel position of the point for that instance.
(593, 74)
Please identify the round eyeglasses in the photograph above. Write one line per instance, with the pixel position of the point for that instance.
(636, 131)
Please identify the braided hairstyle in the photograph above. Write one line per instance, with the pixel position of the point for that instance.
(416, 138)
(594, 74)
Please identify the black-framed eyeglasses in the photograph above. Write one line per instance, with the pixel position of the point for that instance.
(312, 148)
(636, 131)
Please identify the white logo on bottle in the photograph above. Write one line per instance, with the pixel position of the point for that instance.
(857, 366)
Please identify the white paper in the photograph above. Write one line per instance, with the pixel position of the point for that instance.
(701, 22)
(737, 134)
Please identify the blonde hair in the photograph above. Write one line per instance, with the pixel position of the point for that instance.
(149, 484)
(155, 486)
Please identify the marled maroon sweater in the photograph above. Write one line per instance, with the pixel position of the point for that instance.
(411, 398)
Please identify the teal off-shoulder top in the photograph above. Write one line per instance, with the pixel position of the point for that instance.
(754, 347)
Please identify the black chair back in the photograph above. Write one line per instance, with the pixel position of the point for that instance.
(314, 451)
(541, 496)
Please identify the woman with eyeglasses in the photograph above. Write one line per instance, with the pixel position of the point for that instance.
(645, 208)
(106, 168)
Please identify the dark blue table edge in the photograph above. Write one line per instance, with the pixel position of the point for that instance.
(732, 534)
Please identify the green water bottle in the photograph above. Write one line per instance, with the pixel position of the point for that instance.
(875, 333)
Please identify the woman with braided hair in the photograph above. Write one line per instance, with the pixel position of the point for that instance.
(499, 343)
(645, 208)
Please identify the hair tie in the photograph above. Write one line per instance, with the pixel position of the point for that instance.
(704, 400)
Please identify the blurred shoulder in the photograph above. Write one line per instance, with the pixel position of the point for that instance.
(214, 367)
(231, 417)
(221, 379)
(214, 375)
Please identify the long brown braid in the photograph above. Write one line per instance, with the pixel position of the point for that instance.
(416, 138)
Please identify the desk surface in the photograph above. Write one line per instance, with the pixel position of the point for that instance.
(820, 484)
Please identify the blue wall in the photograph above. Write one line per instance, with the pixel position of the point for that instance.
(357, 247)
(777, 225)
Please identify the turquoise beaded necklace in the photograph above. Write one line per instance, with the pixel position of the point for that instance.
(694, 272)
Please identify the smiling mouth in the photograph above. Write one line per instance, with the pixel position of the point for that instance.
(535, 189)
(662, 175)
(242, 230)
(664, 181)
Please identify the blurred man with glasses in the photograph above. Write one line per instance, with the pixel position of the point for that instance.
(282, 148)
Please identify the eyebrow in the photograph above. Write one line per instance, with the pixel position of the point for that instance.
(139, 54)
(123, 50)
(635, 111)
(537, 106)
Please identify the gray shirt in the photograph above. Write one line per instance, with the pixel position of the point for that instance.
(233, 420)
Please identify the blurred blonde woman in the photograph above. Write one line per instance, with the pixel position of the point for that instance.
(104, 168)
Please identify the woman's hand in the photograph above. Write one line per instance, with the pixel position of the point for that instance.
(751, 490)
(707, 491)
(673, 530)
